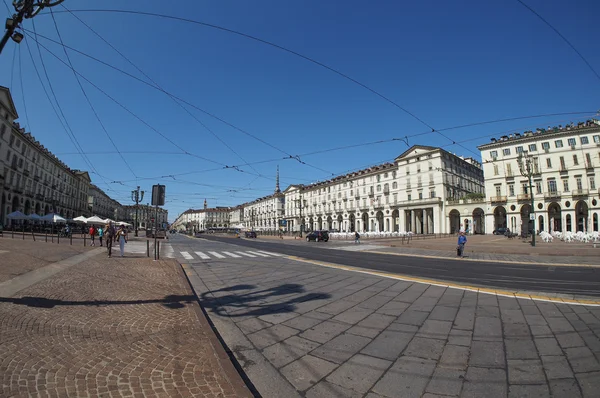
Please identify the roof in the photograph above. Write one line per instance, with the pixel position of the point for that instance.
(9, 101)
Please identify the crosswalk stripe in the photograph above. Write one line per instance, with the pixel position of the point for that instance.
(271, 254)
(260, 254)
(232, 255)
(187, 255)
(202, 255)
(217, 255)
(246, 254)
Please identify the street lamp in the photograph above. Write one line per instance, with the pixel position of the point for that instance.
(137, 196)
(526, 167)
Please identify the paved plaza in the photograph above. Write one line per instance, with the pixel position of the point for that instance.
(99, 327)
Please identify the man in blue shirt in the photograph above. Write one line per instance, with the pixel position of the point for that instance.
(462, 241)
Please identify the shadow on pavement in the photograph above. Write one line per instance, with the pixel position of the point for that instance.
(172, 301)
(252, 303)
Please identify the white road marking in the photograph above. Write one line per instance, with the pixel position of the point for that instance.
(246, 254)
(259, 254)
(270, 254)
(187, 255)
(232, 255)
(202, 255)
(217, 255)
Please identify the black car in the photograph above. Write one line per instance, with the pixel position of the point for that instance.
(499, 231)
(250, 234)
(318, 236)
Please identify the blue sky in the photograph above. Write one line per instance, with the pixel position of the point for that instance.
(449, 63)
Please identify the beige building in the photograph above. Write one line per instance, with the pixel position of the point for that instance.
(266, 213)
(410, 194)
(103, 206)
(565, 162)
(32, 179)
(195, 220)
(146, 214)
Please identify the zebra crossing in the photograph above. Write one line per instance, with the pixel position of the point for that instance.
(169, 252)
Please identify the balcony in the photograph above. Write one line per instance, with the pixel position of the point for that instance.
(371, 193)
(26, 172)
(36, 178)
(552, 195)
(18, 190)
(580, 192)
(39, 196)
(386, 191)
(563, 170)
(498, 199)
(523, 197)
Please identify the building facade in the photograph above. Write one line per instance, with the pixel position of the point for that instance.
(408, 195)
(565, 162)
(102, 205)
(32, 179)
(145, 214)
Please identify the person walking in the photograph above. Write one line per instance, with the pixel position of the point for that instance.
(356, 238)
(462, 241)
(92, 232)
(109, 233)
(122, 236)
(100, 234)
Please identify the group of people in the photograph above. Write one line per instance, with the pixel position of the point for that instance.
(111, 233)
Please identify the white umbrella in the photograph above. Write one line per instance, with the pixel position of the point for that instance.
(109, 220)
(17, 215)
(95, 220)
(123, 223)
(53, 218)
(80, 219)
(35, 217)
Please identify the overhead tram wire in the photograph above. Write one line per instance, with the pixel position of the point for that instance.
(562, 37)
(88, 99)
(277, 46)
(289, 156)
(22, 90)
(294, 157)
(159, 87)
(64, 124)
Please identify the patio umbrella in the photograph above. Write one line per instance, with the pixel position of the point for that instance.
(17, 215)
(123, 223)
(35, 217)
(95, 220)
(80, 219)
(109, 220)
(53, 218)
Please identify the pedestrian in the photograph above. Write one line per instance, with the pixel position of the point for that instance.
(92, 232)
(100, 234)
(356, 238)
(109, 233)
(462, 241)
(122, 236)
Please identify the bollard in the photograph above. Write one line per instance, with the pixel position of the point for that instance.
(147, 248)
(71, 239)
(12, 235)
(58, 237)
(23, 231)
(33, 235)
(84, 240)
(46, 236)
(158, 250)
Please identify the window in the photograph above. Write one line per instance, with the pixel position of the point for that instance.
(552, 186)
(430, 166)
(493, 154)
(596, 138)
(575, 160)
(378, 177)
(584, 140)
(571, 141)
(532, 147)
(549, 163)
(588, 160)
(519, 149)
(562, 163)
(498, 190)
(420, 195)
(394, 174)
(579, 183)
(545, 145)
(378, 187)
(524, 188)
(409, 197)
(565, 185)
(495, 169)
(511, 189)
(394, 185)
(592, 183)
(538, 187)
(407, 170)
(506, 151)
(385, 175)
(432, 194)
(509, 170)
(558, 144)
(3, 130)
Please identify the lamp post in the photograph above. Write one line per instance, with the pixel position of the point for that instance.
(25, 9)
(527, 170)
(137, 196)
(300, 204)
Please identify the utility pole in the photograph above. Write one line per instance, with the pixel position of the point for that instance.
(527, 170)
(25, 9)
(300, 205)
(136, 196)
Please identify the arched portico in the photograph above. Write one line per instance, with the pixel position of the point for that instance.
(554, 214)
(454, 221)
(499, 217)
(365, 222)
(478, 221)
(395, 224)
(526, 223)
(352, 219)
(581, 216)
(379, 218)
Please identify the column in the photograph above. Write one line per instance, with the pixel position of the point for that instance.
(412, 221)
(401, 221)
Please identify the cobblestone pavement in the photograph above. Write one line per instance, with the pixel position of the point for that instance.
(299, 329)
(110, 328)
(21, 256)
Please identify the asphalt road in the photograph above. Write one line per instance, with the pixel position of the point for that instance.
(581, 281)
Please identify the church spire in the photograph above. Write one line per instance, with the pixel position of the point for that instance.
(277, 190)
(205, 205)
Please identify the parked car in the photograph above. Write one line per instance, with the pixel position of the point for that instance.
(499, 231)
(250, 234)
(318, 236)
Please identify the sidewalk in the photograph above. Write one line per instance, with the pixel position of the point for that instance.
(109, 327)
